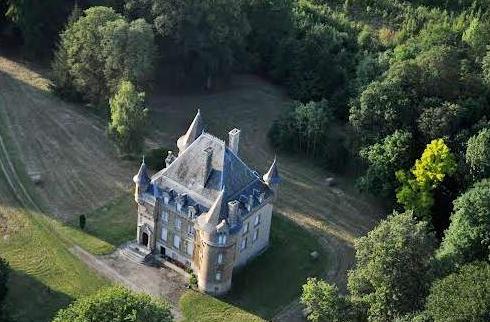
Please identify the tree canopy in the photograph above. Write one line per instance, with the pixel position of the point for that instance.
(323, 302)
(128, 118)
(100, 49)
(468, 235)
(478, 153)
(116, 304)
(392, 272)
(462, 296)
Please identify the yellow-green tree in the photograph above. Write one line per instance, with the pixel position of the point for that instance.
(128, 118)
(415, 192)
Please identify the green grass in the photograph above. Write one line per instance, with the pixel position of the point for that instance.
(266, 284)
(45, 275)
(107, 227)
(198, 307)
(274, 279)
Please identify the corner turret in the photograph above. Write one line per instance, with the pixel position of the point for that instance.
(272, 178)
(195, 130)
(142, 180)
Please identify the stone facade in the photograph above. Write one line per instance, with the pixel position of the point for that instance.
(206, 210)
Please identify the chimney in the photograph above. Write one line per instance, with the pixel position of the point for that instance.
(233, 140)
(207, 166)
(169, 159)
(233, 212)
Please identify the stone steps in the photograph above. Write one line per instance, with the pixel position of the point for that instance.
(134, 253)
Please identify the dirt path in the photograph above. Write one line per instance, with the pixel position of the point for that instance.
(161, 283)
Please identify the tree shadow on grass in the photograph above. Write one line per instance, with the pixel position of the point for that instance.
(29, 300)
(274, 279)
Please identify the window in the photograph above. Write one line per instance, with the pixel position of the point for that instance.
(190, 230)
(243, 245)
(166, 200)
(178, 223)
(190, 248)
(218, 276)
(165, 216)
(220, 258)
(256, 234)
(245, 228)
(177, 241)
(257, 220)
(221, 239)
(164, 234)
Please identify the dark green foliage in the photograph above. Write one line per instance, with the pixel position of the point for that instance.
(462, 296)
(98, 51)
(307, 128)
(193, 281)
(116, 304)
(4, 277)
(392, 272)
(478, 154)
(392, 152)
(198, 39)
(155, 158)
(82, 220)
(468, 235)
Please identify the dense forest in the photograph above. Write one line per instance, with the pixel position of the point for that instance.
(397, 92)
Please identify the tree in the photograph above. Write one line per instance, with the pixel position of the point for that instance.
(101, 49)
(82, 220)
(116, 304)
(393, 267)
(430, 170)
(383, 159)
(323, 301)
(39, 23)
(128, 118)
(4, 277)
(462, 296)
(199, 38)
(468, 235)
(478, 154)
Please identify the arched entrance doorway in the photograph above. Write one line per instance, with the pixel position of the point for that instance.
(144, 239)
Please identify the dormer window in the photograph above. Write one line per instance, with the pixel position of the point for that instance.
(191, 212)
(166, 199)
(221, 239)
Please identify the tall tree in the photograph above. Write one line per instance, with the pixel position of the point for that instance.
(128, 118)
(393, 265)
(383, 159)
(101, 49)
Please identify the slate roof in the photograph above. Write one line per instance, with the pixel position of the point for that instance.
(209, 175)
(142, 178)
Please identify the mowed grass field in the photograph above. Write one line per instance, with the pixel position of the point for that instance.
(45, 275)
(81, 174)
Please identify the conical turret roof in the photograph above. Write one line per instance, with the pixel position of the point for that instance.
(272, 176)
(142, 178)
(195, 130)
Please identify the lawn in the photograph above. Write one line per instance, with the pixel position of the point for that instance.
(46, 276)
(198, 307)
(112, 225)
(269, 282)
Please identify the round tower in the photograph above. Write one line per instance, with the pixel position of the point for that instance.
(215, 250)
